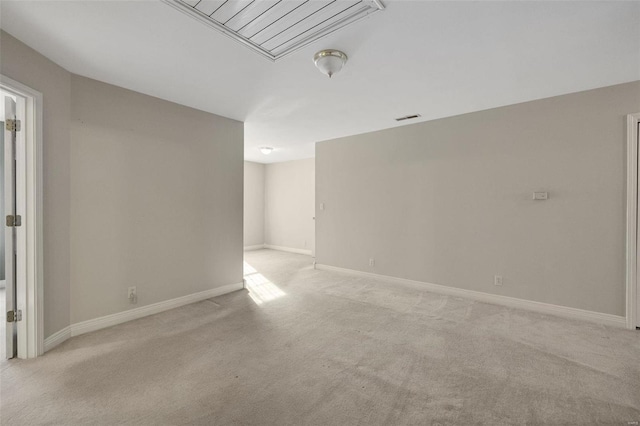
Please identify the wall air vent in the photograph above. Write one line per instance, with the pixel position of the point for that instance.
(408, 117)
(275, 28)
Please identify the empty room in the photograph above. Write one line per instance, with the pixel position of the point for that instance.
(319, 212)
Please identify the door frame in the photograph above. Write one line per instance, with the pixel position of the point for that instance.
(632, 222)
(30, 288)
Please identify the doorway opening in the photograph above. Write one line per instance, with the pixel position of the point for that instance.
(279, 216)
(21, 215)
(279, 206)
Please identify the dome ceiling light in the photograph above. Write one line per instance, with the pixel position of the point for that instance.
(266, 150)
(330, 61)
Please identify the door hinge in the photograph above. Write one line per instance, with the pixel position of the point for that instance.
(13, 221)
(13, 125)
(13, 316)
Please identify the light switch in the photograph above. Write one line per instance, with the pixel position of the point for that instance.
(540, 195)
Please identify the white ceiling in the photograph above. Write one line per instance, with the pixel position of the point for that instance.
(433, 58)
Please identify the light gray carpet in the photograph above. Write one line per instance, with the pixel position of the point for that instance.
(332, 350)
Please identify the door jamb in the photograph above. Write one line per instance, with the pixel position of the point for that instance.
(31, 298)
(632, 221)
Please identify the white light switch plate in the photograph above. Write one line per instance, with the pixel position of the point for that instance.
(540, 195)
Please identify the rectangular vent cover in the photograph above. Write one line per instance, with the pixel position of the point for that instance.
(408, 117)
(275, 28)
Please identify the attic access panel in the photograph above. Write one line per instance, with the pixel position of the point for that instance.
(275, 28)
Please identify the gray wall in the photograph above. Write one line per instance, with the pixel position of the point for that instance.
(449, 201)
(156, 199)
(27, 66)
(289, 204)
(253, 204)
(152, 204)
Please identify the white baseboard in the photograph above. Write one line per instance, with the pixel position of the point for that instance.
(56, 338)
(256, 247)
(289, 249)
(136, 313)
(512, 302)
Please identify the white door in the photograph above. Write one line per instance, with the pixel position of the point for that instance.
(10, 208)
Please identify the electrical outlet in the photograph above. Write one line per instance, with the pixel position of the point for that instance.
(372, 262)
(133, 295)
(497, 280)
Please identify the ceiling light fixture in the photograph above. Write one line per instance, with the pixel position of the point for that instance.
(266, 150)
(329, 61)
